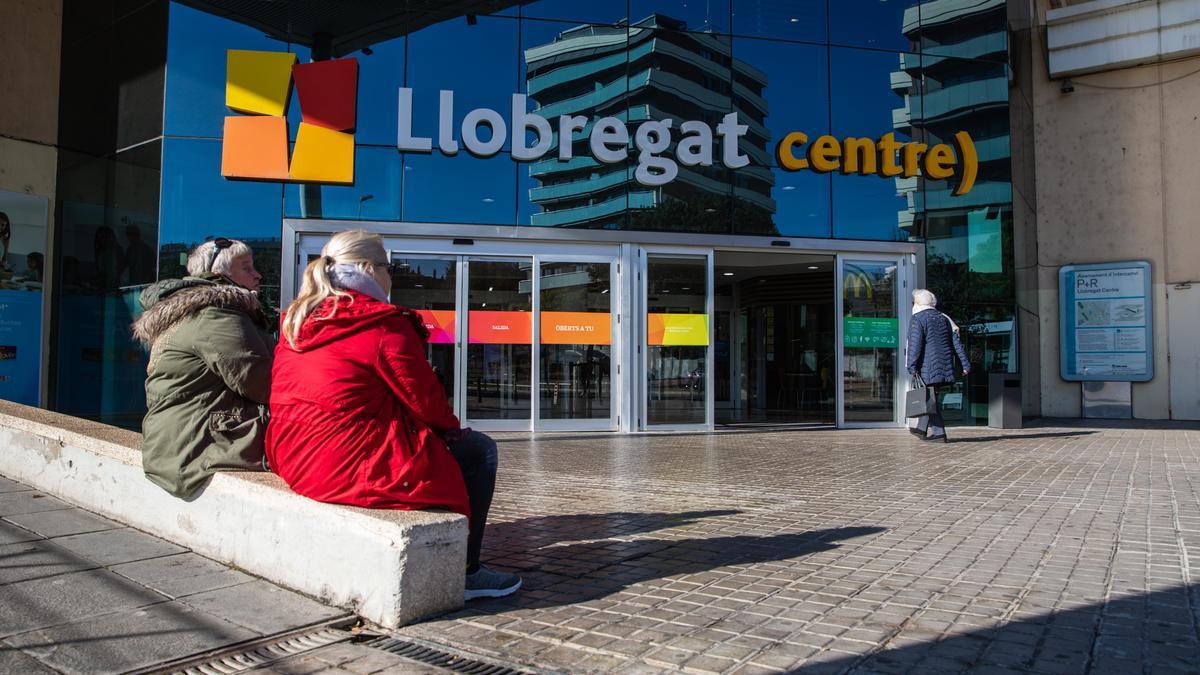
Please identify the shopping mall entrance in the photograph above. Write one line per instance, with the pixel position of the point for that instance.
(569, 332)
(775, 339)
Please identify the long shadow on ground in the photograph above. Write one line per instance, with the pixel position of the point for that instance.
(558, 575)
(1153, 633)
(1018, 436)
(528, 534)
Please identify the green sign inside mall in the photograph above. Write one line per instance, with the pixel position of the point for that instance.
(869, 332)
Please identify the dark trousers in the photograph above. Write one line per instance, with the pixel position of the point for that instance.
(933, 422)
(476, 455)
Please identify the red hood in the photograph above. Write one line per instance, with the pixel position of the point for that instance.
(350, 316)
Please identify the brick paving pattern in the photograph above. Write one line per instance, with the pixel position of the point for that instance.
(1058, 549)
(82, 594)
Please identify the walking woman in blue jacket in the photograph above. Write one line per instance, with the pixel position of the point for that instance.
(932, 345)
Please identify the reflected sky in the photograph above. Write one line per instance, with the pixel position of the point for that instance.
(805, 85)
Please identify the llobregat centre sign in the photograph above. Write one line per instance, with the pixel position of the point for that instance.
(609, 143)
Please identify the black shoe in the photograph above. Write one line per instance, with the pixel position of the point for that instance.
(934, 439)
(916, 432)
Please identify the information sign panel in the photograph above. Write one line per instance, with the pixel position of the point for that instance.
(1106, 322)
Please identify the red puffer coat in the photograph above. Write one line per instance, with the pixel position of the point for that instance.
(356, 412)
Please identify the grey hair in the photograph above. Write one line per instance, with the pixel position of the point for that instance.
(208, 258)
(922, 296)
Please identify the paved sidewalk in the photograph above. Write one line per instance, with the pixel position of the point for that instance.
(80, 593)
(1059, 549)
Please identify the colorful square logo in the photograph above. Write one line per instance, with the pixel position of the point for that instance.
(255, 144)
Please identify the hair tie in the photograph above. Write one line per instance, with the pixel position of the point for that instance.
(328, 259)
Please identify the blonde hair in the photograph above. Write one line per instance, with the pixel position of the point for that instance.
(208, 258)
(352, 247)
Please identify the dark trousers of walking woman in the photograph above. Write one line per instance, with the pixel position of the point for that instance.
(476, 456)
(933, 422)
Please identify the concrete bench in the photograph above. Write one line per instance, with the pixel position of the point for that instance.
(391, 567)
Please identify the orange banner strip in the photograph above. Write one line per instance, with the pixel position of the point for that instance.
(499, 328)
(576, 328)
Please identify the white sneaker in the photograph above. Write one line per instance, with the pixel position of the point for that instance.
(488, 583)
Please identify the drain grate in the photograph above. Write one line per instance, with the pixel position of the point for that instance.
(256, 655)
(439, 658)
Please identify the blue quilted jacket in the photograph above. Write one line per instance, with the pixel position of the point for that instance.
(932, 344)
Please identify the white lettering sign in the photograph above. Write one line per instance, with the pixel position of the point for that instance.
(608, 140)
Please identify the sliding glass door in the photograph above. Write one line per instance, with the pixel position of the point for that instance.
(677, 340)
(519, 341)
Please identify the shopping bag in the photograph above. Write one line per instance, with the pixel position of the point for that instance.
(916, 400)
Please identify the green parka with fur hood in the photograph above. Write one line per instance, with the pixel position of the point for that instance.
(207, 383)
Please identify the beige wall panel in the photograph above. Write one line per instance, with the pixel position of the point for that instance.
(1099, 177)
(30, 41)
(28, 167)
(1059, 397)
(1152, 400)
(1181, 167)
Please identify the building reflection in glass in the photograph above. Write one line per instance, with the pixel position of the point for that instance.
(963, 82)
(649, 70)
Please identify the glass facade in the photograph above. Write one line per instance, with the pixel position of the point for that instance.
(107, 205)
(919, 71)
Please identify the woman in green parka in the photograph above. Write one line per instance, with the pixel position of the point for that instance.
(210, 369)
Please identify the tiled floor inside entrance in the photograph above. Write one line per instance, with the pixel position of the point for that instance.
(1056, 549)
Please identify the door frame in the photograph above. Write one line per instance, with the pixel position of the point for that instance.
(642, 339)
(536, 253)
(905, 278)
(616, 387)
(306, 236)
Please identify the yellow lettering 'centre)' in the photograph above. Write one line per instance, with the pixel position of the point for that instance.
(887, 157)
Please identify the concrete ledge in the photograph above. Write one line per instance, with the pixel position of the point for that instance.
(391, 567)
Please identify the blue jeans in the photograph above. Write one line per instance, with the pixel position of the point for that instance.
(478, 460)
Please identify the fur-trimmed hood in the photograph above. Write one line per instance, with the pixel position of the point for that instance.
(168, 302)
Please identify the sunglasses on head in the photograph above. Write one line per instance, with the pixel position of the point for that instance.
(220, 243)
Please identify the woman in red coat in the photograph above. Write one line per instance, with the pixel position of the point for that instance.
(357, 414)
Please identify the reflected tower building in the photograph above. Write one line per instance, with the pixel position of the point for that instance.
(650, 70)
(962, 79)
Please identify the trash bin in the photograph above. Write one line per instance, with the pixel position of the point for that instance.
(1004, 400)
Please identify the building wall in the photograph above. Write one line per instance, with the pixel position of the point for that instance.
(1116, 180)
(29, 60)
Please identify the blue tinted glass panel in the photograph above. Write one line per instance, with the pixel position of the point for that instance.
(380, 74)
(477, 62)
(109, 211)
(801, 20)
(199, 204)
(780, 87)
(459, 189)
(375, 194)
(893, 25)
(872, 94)
(579, 71)
(683, 76)
(691, 15)
(969, 236)
(594, 11)
(196, 47)
(971, 30)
